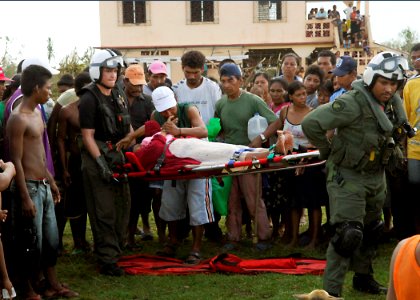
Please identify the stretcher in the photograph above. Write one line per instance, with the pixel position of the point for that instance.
(134, 169)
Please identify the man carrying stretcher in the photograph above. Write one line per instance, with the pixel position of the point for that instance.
(235, 109)
(180, 120)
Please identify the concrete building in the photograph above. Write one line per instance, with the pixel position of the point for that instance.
(253, 33)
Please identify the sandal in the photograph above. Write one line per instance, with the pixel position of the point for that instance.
(168, 251)
(64, 292)
(194, 258)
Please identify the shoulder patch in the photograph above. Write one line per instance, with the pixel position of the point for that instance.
(338, 105)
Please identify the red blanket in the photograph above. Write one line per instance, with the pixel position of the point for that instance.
(143, 264)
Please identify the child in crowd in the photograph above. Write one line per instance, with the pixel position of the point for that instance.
(324, 92)
(257, 90)
(312, 80)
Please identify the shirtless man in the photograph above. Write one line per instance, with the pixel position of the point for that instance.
(67, 135)
(34, 187)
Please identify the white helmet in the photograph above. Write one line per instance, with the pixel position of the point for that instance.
(104, 58)
(386, 64)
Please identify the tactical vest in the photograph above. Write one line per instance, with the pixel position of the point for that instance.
(364, 145)
(182, 115)
(115, 122)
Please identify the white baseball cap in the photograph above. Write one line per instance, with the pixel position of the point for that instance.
(39, 62)
(163, 98)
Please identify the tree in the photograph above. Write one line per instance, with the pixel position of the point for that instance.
(405, 41)
(6, 60)
(74, 64)
(50, 49)
(410, 37)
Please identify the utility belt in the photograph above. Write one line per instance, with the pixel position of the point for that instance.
(353, 157)
(367, 157)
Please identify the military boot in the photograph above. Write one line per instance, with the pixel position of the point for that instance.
(367, 284)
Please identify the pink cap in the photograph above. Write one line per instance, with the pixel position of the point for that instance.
(157, 67)
(2, 77)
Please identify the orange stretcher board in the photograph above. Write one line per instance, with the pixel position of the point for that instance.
(134, 169)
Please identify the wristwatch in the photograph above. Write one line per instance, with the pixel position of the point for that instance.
(263, 138)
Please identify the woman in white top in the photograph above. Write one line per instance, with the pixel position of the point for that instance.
(291, 116)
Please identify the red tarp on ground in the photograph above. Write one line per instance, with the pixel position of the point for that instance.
(143, 264)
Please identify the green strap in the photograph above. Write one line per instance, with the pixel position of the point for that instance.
(272, 152)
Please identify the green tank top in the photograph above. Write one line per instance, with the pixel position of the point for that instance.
(182, 115)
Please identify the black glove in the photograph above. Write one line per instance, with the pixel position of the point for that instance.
(324, 153)
(104, 171)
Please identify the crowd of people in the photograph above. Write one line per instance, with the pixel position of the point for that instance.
(351, 29)
(61, 159)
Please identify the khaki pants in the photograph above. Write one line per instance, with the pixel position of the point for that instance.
(248, 186)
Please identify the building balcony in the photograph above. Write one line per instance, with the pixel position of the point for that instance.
(319, 31)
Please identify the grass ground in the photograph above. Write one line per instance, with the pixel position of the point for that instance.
(79, 271)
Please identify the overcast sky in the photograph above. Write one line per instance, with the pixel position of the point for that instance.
(75, 24)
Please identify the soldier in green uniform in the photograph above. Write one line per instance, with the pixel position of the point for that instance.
(368, 123)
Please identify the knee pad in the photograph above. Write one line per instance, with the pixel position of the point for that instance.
(373, 232)
(347, 238)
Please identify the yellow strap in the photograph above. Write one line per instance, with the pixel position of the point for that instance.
(372, 155)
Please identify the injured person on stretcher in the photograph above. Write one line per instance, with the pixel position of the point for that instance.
(181, 152)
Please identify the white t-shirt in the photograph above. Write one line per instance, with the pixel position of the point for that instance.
(348, 11)
(204, 96)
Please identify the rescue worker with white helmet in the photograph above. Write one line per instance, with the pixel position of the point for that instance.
(104, 120)
(368, 123)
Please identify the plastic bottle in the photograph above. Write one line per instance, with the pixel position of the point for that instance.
(256, 125)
